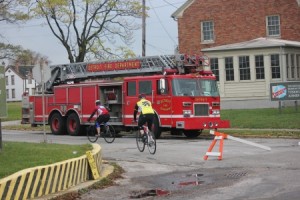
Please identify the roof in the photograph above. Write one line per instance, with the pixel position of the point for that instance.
(179, 12)
(21, 71)
(254, 44)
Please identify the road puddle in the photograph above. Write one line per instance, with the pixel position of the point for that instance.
(192, 180)
(147, 193)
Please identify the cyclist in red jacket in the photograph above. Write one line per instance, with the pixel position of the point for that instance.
(102, 115)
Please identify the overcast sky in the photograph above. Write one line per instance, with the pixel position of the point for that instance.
(161, 34)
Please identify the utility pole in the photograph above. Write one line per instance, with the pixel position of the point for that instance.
(144, 29)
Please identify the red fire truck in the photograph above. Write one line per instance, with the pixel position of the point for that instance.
(183, 93)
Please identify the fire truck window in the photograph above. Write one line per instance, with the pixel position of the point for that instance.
(131, 89)
(145, 87)
(158, 88)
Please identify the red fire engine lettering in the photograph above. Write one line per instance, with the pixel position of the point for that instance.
(97, 67)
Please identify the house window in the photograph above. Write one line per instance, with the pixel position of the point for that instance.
(259, 67)
(214, 65)
(298, 65)
(29, 80)
(13, 93)
(229, 69)
(287, 65)
(244, 66)
(12, 80)
(292, 66)
(7, 93)
(275, 68)
(207, 31)
(145, 87)
(273, 25)
(6, 80)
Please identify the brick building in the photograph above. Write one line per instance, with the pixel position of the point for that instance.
(245, 39)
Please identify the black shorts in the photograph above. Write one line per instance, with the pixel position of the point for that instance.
(103, 118)
(143, 118)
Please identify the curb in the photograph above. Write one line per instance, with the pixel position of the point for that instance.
(50, 179)
(105, 171)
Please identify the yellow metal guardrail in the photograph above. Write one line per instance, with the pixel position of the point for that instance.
(49, 179)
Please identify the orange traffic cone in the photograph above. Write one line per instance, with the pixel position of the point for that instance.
(218, 136)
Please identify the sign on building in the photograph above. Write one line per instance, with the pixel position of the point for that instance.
(285, 91)
(3, 109)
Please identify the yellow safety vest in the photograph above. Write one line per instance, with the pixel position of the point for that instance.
(145, 107)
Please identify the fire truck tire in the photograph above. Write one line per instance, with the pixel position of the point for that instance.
(73, 125)
(156, 129)
(57, 124)
(192, 133)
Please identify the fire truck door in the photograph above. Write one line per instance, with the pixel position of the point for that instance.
(130, 97)
(162, 104)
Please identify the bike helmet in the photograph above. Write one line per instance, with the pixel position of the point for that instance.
(141, 96)
(97, 102)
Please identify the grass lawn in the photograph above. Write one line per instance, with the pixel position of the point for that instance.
(16, 156)
(267, 118)
(14, 111)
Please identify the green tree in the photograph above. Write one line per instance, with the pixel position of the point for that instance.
(9, 13)
(15, 54)
(90, 29)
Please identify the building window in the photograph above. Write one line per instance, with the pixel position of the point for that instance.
(29, 79)
(229, 69)
(273, 25)
(6, 80)
(287, 65)
(214, 65)
(275, 68)
(244, 66)
(292, 66)
(207, 31)
(12, 80)
(259, 67)
(298, 66)
(13, 93)
(7, 93)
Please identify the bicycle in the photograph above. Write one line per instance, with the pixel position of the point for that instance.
(150, 140)
(106, 131)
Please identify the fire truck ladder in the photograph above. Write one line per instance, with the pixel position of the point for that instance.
(79, 71)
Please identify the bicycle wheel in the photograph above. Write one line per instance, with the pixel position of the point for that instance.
(109, 134)
(151, 143)
(139, 140)
(91, 133)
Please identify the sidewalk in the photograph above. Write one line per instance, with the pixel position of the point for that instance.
(11, 123)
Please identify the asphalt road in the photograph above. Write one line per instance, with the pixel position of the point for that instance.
(178, 170)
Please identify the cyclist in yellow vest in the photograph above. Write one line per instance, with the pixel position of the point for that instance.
(144, 107)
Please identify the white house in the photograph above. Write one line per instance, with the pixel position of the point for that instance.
(19, 80)
(245, 70)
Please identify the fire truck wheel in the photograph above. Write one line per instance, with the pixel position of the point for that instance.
(73, 124)
(57, 124)
(192, 133)
(156, 129)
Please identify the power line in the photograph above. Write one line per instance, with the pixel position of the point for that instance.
(161, 23)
